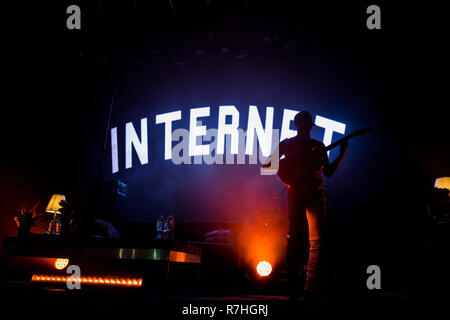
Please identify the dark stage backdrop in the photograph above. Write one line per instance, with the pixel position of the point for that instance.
(328, 84)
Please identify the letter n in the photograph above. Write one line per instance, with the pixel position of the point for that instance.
(140, 145)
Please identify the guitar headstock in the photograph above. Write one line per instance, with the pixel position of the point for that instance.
(363, 131)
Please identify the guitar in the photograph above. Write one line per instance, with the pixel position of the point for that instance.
(289, 171)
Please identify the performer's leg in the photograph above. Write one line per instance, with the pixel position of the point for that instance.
(315, 213)
(294, 253)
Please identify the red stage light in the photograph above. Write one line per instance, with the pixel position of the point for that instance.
(264, 268)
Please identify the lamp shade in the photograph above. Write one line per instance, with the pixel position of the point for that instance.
(442, 183)
(53, 205)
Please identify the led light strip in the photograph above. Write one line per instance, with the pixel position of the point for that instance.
(102, 281)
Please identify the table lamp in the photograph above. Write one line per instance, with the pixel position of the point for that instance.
(53, 206)
(442, 183)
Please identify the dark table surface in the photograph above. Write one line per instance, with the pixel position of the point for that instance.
(44, 245)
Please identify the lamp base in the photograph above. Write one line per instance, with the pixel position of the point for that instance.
(54, 227)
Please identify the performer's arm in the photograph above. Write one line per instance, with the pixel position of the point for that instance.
(272, 162)
(276, 155)
(330, 169)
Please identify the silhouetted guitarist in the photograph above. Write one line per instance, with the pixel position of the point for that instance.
(307, 160)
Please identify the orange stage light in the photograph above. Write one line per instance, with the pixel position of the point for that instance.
(61, 263)
(264, 268)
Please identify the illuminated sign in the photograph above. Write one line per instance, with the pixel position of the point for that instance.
(208, 145)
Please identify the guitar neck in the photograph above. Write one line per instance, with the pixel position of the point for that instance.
(340, 141)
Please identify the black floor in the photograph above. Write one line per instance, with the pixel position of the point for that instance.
(189, 304)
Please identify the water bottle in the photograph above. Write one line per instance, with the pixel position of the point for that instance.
(169, 223)
(159, 227)
(54, 227)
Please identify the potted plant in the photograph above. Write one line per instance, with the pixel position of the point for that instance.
(25, 219)
(68, 219)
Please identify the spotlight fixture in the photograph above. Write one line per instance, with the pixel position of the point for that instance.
(61, 263)
(264, 268)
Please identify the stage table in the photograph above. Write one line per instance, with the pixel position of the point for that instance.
(152, 260)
